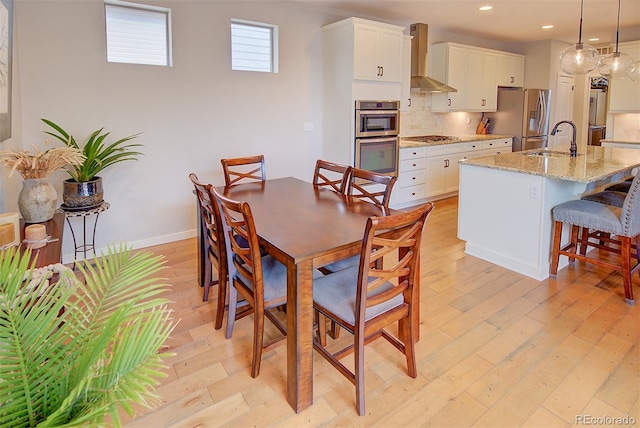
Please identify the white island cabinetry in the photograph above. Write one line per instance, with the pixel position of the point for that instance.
(505, 202)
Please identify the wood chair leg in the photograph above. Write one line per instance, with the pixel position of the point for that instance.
(206, 285)
(625, 252)
(409, 345)
(258, 340)
(585, 239)
(359, 372)
(334, 331)
(574, 242)
(321, 331)
(222, 297)
(231, 314)
(555, 257)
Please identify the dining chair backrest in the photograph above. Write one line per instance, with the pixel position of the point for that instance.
(241, 239)
(332, 175)
(260, 281)
(402, 235)
(250, 168)
(371, 187)
(630, 215)
(384, 293)
(213, 239)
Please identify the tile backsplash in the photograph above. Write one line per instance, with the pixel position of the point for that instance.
(626, 127)
(421, 121)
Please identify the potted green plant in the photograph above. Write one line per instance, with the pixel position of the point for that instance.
(76, 351)
(84, 188)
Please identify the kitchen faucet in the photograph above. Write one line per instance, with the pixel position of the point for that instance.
(574, 147)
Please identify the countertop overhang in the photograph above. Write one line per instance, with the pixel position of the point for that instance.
(598, 163)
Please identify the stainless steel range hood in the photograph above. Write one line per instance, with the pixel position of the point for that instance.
(419, 78)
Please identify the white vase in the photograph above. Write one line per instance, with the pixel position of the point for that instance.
(37, 200)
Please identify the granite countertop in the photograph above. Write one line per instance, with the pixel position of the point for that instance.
(597, 163)
(404, 143)
(612, 140)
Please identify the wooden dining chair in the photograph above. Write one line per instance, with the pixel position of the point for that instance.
(260, 280)
(214, 248)
(332, 175)
(367, 298)
(370, 186)
(251, 168)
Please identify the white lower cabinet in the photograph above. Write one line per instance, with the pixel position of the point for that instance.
(432, 171)
(412, 176)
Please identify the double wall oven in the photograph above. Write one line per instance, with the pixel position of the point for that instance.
(377, 136)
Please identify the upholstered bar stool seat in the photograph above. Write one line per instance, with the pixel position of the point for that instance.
(623, 222)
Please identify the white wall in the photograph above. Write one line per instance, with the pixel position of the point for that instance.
(190, 115)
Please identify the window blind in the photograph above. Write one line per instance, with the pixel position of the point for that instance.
(251, 47)
(137, 35)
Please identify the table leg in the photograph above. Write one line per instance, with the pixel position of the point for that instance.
(299, 335)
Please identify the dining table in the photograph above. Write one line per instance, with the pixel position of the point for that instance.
(304, 227)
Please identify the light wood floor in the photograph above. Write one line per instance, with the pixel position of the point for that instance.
(497, 349)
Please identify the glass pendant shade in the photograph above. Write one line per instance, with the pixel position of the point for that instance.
(634, 74)
(579, 59)
(617, 65)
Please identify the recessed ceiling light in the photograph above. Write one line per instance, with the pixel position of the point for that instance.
(486, 7)
(594, 39)
(546, 27)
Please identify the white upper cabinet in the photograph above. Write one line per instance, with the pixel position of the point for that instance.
(482, 81)
(511, 70)
(472, 71)
(624, 94)
(448, 64)
(377, 51)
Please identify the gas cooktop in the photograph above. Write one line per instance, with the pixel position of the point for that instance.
(431, 138)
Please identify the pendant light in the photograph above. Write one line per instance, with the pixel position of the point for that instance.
(634, 74)
(581, 58)
(618, 64)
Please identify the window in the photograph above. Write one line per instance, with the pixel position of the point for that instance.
(254, 46)
(138, 33)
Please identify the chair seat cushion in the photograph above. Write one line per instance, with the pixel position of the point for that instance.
(343, 264)
(337, 293)
(274, 278)
(608, 197)
(593, 215)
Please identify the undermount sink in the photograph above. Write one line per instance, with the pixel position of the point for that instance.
(547, 154)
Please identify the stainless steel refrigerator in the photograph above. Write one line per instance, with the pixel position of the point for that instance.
(523, 113)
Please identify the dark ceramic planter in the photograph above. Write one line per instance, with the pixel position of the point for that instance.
(82, 194)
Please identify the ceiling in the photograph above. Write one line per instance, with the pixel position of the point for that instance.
(508, 21)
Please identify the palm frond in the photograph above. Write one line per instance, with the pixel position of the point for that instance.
(80, 350)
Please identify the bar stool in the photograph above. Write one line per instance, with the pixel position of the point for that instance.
(612, 195)
(622, 222)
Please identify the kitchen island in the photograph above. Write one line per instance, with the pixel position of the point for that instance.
(505, 201)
